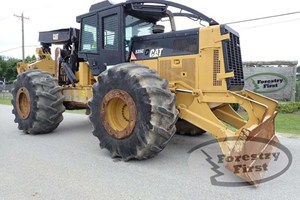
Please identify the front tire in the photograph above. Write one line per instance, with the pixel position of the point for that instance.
(37, 102)
(132, 111)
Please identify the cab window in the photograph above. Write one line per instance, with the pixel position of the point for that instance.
(89, 34)
(110, 33)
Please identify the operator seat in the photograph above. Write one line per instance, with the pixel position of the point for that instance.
(158, 29)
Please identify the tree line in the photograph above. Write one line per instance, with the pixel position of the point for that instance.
(8, 67)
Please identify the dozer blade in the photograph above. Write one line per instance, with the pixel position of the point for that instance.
(254, 149)
(254, 139)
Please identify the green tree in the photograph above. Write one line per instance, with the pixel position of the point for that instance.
(29, 59)
(3, 66)
(8, 68)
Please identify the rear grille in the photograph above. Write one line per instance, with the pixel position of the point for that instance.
(233, 59)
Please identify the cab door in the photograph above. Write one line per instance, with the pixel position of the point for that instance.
(111, 40)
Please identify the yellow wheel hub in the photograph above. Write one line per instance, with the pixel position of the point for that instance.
(23, 103)
(118, 113)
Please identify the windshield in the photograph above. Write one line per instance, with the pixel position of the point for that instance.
(135, 27)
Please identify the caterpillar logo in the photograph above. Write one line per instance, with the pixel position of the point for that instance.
(55, 36)
(155, 52)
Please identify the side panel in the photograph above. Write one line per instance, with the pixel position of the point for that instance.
(211, 60)
(185, 67)
(152, 64)
(77, 97)
(166, 44)
(182, 70)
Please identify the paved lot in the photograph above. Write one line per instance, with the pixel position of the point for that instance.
(68, 164)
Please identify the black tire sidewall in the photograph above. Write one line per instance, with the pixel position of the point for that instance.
(46, 102)
(24, 81)
(142, 102)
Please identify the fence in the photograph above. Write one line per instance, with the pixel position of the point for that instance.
(5, 91)
(298, 89)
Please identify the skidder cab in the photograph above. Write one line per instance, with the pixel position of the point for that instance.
(142, 74)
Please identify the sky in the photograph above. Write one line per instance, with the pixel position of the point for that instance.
(263, 40)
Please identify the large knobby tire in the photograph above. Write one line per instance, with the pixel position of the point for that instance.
(184, 127)
(37, 102)
(132, 111)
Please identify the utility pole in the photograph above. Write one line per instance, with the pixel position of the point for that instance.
(23, 46)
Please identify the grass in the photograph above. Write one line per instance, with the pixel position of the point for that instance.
(82, 111)
(288, 123)
(285, 123)
(5, 101)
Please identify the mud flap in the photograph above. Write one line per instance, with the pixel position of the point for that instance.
(252, 152)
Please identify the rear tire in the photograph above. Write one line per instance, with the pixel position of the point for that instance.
(132, 111)
(37, 102)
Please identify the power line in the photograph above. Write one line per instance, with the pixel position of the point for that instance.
(7, 50)
(269, 24)
(10, 49)
(30, 9)
(261, 18)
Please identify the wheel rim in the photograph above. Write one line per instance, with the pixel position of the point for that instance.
(23, 103)
(118, 114)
